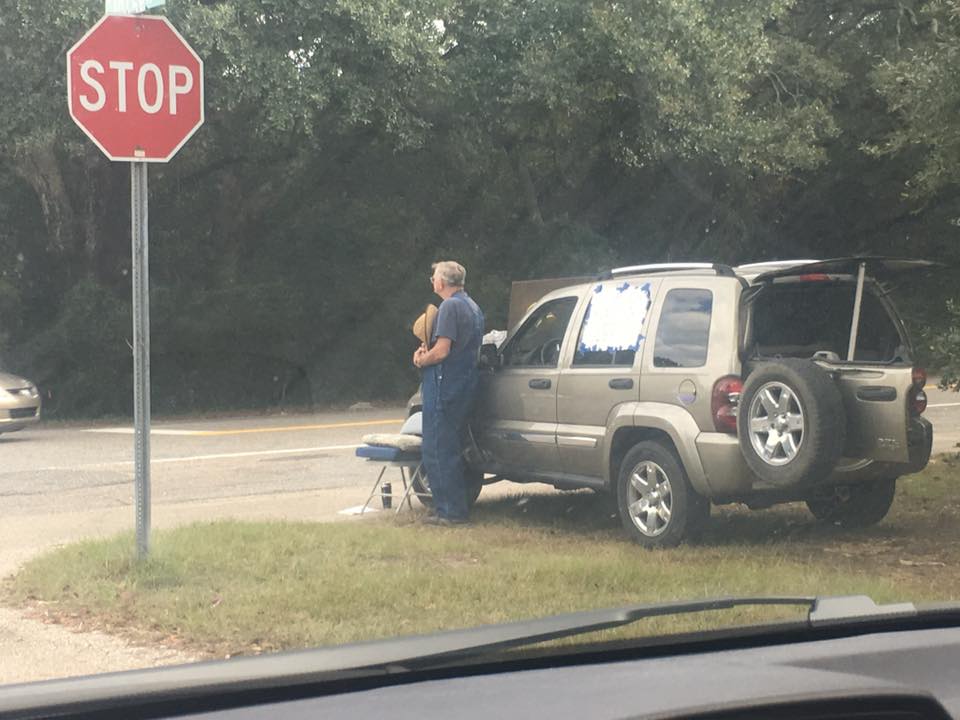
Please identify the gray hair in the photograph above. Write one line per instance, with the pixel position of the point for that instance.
(452, 273)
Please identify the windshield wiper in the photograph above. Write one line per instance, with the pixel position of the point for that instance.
(452, 645)
(413, 653)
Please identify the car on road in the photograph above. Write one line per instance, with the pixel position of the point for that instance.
(672, 387)
(19, 403)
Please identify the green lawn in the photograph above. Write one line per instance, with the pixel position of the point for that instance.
(232, 587)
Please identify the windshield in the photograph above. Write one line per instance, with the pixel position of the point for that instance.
(311, 333)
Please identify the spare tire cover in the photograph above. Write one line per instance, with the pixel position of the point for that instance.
(791, 422)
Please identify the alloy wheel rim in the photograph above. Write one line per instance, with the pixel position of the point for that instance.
(777, 423)
(649, 498)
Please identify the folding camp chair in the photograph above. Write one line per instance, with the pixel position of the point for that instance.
(400, 451)
(407, 461)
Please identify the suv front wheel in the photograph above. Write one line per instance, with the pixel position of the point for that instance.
(657, 505)
(421, 486)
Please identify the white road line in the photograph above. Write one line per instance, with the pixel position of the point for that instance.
(218, 456)
(223, 456)
(932, 405)
(124, 430)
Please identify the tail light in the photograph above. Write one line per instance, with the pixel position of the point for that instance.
(724, 402)
(918, 398)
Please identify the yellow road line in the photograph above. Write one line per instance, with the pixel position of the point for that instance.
(296, 428)
(217, 456)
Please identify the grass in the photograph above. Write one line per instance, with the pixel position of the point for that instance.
(236, 588)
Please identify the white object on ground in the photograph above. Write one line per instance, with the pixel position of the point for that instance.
(358, 510)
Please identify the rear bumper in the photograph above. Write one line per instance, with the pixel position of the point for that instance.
(729, 478)
(920, 441)
(919, 444)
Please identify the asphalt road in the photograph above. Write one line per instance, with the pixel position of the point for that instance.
(48, 469)
(54, 469)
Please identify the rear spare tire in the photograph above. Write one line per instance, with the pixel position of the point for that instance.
(791, 422)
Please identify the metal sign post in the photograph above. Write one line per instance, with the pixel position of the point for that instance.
(135, 87)
(141, 353)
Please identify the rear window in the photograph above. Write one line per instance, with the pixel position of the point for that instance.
(802, 318)
(684, 329)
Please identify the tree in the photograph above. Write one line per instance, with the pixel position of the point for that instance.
(348, 144)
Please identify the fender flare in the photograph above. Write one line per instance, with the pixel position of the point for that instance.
(675, 422)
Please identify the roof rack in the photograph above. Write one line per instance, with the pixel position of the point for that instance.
(718, 268)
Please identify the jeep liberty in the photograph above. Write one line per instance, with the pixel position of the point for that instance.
(676, 386)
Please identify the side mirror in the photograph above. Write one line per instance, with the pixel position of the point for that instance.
(489, 357)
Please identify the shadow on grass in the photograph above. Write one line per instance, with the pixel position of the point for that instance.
(594, 515)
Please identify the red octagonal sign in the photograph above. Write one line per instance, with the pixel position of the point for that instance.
(135, 87)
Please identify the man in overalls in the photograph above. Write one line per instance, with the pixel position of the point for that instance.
(450, 378)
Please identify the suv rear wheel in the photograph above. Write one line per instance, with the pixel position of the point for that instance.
(853, 506)
(657, 505)
(791, 422)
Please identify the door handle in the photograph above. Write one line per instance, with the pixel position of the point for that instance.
(877, 393)
(621, 384)
(540, 384)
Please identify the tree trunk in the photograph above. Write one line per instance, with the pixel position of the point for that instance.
(40, 168)
(527, 186)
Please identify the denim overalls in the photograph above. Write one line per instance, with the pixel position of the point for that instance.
(449, 388)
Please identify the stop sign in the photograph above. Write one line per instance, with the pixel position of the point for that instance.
(135, 87)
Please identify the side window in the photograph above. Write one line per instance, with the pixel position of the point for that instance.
(537, 343)
(612, 326)
(684, 329)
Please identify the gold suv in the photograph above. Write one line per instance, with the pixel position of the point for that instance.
(676, 386)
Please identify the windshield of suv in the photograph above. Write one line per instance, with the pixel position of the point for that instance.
(345, 321)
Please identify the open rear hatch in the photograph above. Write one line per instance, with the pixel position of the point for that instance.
(880, 268)
(837, 313)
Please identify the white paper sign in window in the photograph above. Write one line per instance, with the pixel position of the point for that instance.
(615, 318)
